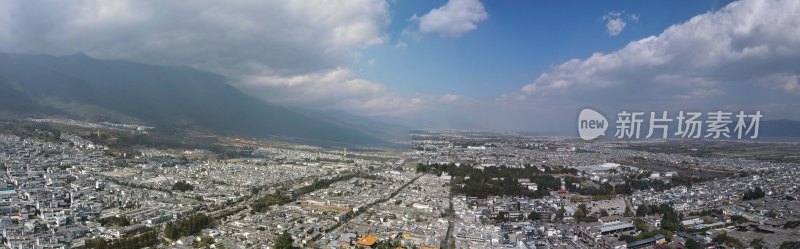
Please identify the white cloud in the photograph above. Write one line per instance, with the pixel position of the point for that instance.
(700, 94)
(232, 37)
(614, 23)
(451, 98)
(634, 17)
(387, 105)
(401, 45)
(288, 52)
(341, 89)
(319, 88)
(789, 83)
(453, 19)
(727, 50)
(736, 58)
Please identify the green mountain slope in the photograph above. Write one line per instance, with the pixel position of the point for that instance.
(168, 97)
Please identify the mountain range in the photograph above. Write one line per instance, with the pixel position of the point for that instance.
(181, 98)
(78, 86)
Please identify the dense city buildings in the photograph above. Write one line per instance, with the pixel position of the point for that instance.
(452, 190)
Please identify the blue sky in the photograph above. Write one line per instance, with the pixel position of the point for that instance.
(519, 41)
(474, 64)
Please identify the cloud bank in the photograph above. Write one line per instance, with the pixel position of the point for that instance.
(299, 51)
(747, 43)
(289, 52)
(286, 37)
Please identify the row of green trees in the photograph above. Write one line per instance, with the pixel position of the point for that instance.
(263, 203)
(482, 182)
(483, 187)
(494, 181)
(187, 226)
(146, 239)
(633, 183)
(493, 171)
(325, 183)
(584, 189)
(646, 234)
(115, 221)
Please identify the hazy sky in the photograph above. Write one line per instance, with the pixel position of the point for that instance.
(513, 65)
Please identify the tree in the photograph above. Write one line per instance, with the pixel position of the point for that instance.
(534, 216)
(644, 235)
(643, 210)
(757, 243)
(641, 225)
(187, 226)
(628, 212)
(263, 203)
(738, 219)
(147, 238)
(753, 194)
(789, 245)
(283, 241)
(728, 240)
(579, 214)
(791, 224)
(560, 214)
(583, 207)
(387, 244)
(182, 186)
(115, 221)
(691, 244)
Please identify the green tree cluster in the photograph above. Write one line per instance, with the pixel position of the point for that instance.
(757, 243)
(644, 235)
(534, 216)
(728, 240)
(263, 203)
(670, 219)
(692, 244)
(144, 239)
(753, 194)
(187, 226)
(738, 219)
(581, 214)
(790, 245)
(182, 186)
(283, 241)
(115, 221)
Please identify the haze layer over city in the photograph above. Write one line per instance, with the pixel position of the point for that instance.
(399, 124)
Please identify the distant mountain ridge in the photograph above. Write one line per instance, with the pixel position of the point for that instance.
(391, 132)
(79, 86)
(779, 128)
